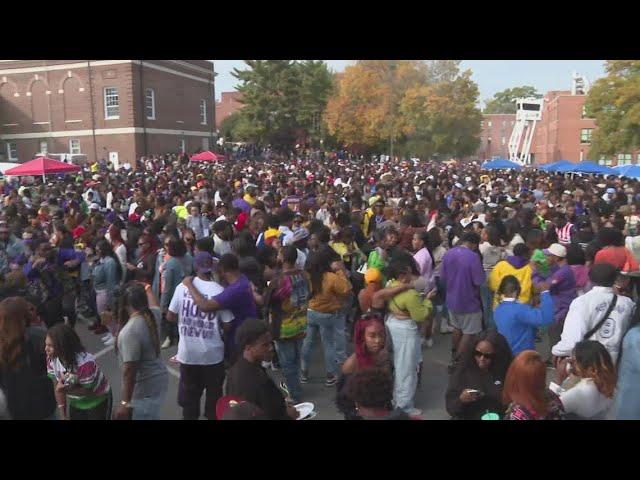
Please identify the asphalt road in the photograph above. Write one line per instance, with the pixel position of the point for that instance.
(429, 397)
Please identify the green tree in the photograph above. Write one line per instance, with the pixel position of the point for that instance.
(505, 101)
(614, 102)
(236, 128)
(283, 99)
(316, 85)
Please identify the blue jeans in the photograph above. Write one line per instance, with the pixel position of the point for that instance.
(289, 356)
(487, 306)
(325, 324)
(407, 354)
(148, 408)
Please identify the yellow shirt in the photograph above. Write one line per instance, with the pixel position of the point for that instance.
(524, 276)
(249, 199)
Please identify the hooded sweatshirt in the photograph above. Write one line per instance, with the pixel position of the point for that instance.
(518, 267)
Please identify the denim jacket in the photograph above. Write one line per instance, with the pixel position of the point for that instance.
(105, 275)
(627, 399)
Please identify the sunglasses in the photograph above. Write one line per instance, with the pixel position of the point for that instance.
(488, 356)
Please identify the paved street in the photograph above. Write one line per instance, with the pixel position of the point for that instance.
(429, 398)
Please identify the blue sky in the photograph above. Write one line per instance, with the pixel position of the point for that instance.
(491, 75)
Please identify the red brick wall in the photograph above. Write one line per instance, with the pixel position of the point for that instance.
(227, 105)
(62, 97)
(495, 127)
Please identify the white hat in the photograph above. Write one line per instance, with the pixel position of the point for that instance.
(557, 250)
(94, 206)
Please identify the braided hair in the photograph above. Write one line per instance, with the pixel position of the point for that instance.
(134, 297)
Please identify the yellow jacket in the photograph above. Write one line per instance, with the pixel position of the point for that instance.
(524, 274)
(368, 214)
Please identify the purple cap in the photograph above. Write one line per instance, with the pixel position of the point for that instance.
(203, 262)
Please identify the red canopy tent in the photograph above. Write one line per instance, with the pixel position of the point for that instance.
(207, 157)
(42, 166)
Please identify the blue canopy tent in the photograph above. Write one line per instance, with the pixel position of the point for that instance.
(591, 167)
(629, 171)
(501, 164)
(553, 167)
(565, 168)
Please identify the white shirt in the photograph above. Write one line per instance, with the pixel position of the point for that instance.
(301, 260)
(220, 247)
(200, 342)
(132, 208)
(585, 312)
(584, 400)
(109, 199)
(288, 235)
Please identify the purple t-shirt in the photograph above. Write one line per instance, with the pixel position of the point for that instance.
(462, 273)
(238, 298)
(562, 286)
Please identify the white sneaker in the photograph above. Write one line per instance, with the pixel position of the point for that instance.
(110, 342)
(427, 342)
(413, 412)
(107, 337)
(166, 344)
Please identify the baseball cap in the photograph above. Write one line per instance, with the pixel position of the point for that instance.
(611, 190)
(556, 249)
(94, 206)
(373, 275)
(203, 262)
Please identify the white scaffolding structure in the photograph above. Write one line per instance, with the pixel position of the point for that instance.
(528, 113)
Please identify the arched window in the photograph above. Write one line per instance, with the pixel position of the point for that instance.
(39, 102)
(75, 105)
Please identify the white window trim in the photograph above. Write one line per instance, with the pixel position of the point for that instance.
(203, 103)
(79, 152)
(104, 99)
(9, 150)
(153, 103)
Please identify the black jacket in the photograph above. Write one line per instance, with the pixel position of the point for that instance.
(251, 383)
(490, 386)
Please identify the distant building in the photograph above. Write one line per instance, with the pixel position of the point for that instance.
(565, 132)
(229, 103)
(494, 137)
(113, 109)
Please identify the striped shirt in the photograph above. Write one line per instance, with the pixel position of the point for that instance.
(564, 233)
(89, 376)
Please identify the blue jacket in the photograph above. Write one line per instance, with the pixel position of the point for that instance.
(517, 322)
(627, 399)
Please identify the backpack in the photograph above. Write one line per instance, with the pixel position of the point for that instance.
(288, 318)
(29, 391)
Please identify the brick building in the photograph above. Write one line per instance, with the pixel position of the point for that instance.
(494, 137)
(113, 109)
(229, 103)
(564, 133)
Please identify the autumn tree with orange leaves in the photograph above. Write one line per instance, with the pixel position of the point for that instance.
(406, 107)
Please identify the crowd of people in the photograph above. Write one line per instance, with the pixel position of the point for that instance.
(248, 263)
